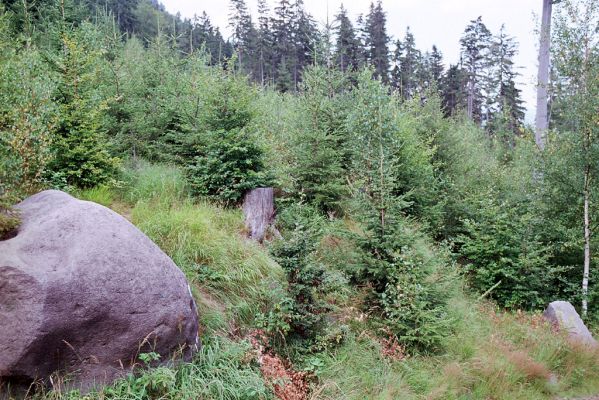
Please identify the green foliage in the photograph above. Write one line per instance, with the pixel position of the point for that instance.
(305, 275)
(80, 154)
(410, 280)
(26, 117)
(503, 247)
(221, 370)
(373, 190)
(225, 161)
(320, 147)
(227, 166)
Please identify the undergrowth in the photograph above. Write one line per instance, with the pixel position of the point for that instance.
(491, 354)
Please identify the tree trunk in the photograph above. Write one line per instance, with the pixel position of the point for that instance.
(259, 211)
(541, 120)
(470, 109)
(587, 244)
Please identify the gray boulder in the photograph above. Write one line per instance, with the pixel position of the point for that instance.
(564, 317)
(84, 292)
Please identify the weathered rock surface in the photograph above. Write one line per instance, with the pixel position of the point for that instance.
(564, 317)
(84, 291)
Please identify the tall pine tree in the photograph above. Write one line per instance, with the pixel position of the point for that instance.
(347, 55)
(409, 65)
(475, 43)
(506, 101)
(376, 41)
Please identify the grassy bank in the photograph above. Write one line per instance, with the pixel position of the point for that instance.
(490, 355)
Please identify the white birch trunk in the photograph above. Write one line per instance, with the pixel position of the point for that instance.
(587, 245)
(541, 119)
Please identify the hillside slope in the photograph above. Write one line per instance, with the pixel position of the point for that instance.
(490, 354)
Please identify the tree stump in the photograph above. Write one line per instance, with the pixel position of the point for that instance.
(259, 211)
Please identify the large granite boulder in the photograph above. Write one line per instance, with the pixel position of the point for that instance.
(564, 317)
(83, 291)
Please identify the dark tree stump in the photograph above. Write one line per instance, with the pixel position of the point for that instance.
(259, 211)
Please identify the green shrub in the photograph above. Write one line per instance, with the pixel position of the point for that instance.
(502, 250)
(227, 166)
(26, 117)
(312, 285)
(412, 283)
(80, 146)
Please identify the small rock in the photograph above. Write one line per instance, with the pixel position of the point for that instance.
(564, 317)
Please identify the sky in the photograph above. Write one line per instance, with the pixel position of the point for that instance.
(438, 22)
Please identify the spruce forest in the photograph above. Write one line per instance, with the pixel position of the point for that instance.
(420, 227)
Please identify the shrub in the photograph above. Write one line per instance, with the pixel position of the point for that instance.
(503, 250)
(412, 283)
(302, 228)
(317, 286)
(228, 165)
(80, 150)
(26, 117)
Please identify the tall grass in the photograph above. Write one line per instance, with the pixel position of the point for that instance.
(221, 370)
(492, 355)
(234, 279)
(207, 244)
(357, 370)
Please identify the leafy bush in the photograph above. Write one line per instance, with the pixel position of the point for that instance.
(228, 165)
(26, 117)
(503, 250)
(306, 276)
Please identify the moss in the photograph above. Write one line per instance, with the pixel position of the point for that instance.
(9, 222)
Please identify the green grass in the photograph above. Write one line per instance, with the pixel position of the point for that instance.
(233, 278)
(206, 242)
(491, 355)
(221, 370)
(357, 370)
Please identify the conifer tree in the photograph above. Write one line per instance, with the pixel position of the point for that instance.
(283, 48)
(409, 65)
(245, 36)
(453, 90)
(81, 156)
(475, 43)
(205, 35)
(347, 55)
(396, 63)
(506, 99)
(376, 41)
(436, 66)
(320, 146)
(304, 39)
(265, 42)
